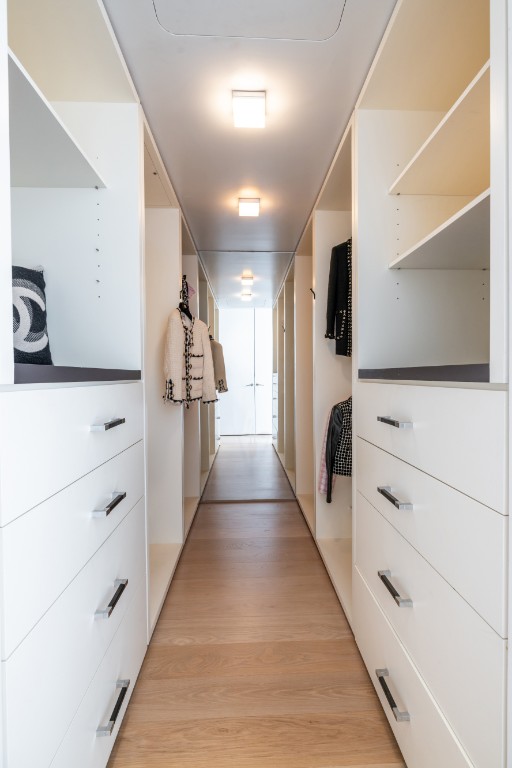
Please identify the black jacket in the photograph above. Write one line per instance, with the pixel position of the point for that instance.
(338, 446)
(339, 299)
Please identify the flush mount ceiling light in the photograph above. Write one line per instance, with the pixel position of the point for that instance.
(247, 278)
(248, 206)
(246, 294)
(248, 109)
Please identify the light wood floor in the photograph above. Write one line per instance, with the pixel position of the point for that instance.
(252, 663)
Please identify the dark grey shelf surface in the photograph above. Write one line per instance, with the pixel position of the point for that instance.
(475, 372)
(25, 373)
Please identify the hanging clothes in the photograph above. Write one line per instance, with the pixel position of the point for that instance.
(339, 298)
(188, 363)
(219, 369)
(338, 445)
(322, 475)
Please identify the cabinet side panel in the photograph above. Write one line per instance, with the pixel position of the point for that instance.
(303, 376)
(332, 374)
(6, 353)
(164, 431)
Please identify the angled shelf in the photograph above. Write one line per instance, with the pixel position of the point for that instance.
(462, 242)
(43, 153)
(455, 159)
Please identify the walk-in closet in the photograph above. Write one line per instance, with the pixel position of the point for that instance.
(181, 586)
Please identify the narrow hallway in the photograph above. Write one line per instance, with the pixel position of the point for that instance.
(252, 663)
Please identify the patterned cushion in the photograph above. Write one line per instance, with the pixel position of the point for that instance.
(31, 344)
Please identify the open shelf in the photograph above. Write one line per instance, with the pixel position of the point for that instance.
(455, 159)
(307, 505)
(163, 559)
(43, 153)
(473, 372)
(462, 242)
(190, 504)
(26, 373)
(337, 557)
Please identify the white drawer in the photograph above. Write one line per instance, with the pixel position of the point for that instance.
(458, 435)
(47, 676)
(434, 526)
(425, 741)
(46, 440)
(82, 747)
(461, 659)
(43, 550)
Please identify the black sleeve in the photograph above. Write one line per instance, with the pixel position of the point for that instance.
(332, 295)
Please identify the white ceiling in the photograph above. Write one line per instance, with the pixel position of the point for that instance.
(186, 56)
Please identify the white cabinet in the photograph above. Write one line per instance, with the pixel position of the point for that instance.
(439, 521)
(418, 724)
(428, 427)
(444, 636)
(72, 430)
(62, 653)
(420, 183)
(72, 485)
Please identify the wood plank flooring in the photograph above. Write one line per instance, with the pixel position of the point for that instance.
(247, 470)
(252, 663)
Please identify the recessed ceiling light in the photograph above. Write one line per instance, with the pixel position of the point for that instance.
(248, 109)
(248, 206)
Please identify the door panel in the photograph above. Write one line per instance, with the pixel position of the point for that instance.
(246, 337)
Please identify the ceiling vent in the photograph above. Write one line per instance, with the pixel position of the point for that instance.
(308, 20)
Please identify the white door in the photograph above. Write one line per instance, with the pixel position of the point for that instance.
(246, 338)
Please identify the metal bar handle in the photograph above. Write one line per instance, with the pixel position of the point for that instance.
(399, 716)
(107, 425)
(395, 423)
(106, 730)
(105, 511)
(385, 490)
(402, 602)
(105, 613)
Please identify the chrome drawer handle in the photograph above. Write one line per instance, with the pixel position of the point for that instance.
(385, 490)
(105, 511)
(395, 423)
(401, 717)
(402, 602)
(106, 730)
(105, 613)
(107, 425)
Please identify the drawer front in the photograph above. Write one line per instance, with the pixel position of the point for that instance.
(457, 435)
(434, 525)
(47, 443)
(47, 676)
(43, 550)
(82, 747)
(425, 741)
(461, 659)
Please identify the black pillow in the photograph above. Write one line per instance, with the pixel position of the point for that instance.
(31, 343)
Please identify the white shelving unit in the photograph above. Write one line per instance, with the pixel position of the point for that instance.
(320, 377)
(43, 153)
(462, 242)
(453, 160)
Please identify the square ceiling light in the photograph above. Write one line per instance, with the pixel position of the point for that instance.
(249, 109)
(248, 206)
